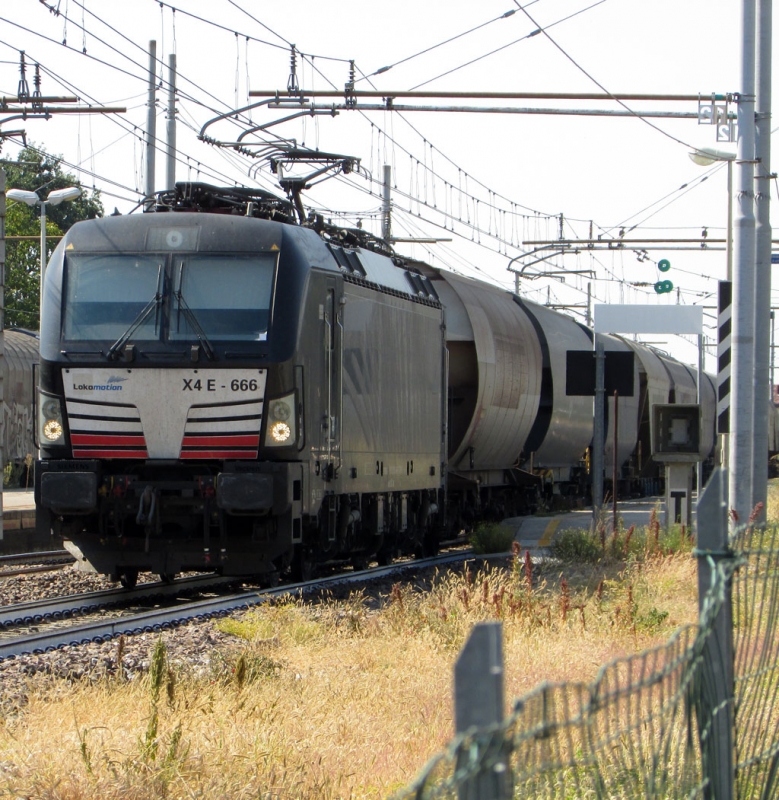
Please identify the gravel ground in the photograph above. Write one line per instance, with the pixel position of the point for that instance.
(192, 645)
(196, 646)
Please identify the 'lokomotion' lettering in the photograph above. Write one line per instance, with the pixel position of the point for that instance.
(107, 387)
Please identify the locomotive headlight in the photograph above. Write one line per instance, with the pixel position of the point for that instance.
(50, 425)
(280, 410)
(281, 428)
(280, 432)
(52, 430)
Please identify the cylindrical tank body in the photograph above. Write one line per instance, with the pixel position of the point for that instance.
(19, 355)
(627, 414)
(562, 430)
(508, 405)
(495, 365)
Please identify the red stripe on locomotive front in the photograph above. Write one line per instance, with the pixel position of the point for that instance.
(219, 454)
(110, 453)
(225, 440)
(109, 441)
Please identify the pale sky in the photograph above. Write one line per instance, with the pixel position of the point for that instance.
(509, 172)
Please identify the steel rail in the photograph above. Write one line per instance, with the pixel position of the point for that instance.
(44, 555)
(157, 620)
(76, 604)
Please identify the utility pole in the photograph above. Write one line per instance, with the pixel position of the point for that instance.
(763, 352)
(742, 408)
(151, 126)
(170, 172)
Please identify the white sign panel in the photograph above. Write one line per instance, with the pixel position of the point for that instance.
(648, 319)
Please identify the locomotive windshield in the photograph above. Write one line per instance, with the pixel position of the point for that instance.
(228, 297)
(105, 294)
(168, 298)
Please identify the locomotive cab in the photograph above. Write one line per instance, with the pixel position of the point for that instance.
(167, 404)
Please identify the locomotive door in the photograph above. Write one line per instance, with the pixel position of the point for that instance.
(333, 342)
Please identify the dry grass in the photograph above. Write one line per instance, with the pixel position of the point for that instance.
(338, 699)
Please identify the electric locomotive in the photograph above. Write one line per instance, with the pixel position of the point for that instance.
(224, 387)
(229, 391)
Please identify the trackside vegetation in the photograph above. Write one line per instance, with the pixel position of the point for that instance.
(340, 697)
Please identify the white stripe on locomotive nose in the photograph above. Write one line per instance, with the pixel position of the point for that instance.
(103, 410)
(104, 425)
(233, 410)
(216, 426)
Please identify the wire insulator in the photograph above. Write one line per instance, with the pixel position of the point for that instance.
(293, 87)
(349, 87)
(36, 95)
(24, 88)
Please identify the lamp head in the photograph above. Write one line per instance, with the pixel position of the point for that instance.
(706, 156)
(61, 195)
(23, 196)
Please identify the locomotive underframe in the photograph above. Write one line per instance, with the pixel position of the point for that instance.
(243, 519)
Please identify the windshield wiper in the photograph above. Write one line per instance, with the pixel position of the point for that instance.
(189, 315)
(143, 315)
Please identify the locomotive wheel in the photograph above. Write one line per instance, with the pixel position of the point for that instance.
(167, 577)
(386, 556)
(302, 565)
(128, 578)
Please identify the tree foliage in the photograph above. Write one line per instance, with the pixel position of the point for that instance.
(41, 173)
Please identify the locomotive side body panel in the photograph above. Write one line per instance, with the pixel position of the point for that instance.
(392, 387)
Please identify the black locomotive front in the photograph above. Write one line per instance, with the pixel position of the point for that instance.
(170, 417)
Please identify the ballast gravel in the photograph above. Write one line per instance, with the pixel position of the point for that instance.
(198, 647)
(191, 646)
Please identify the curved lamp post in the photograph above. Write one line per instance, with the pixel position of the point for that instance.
(54, 199)
(705, 157)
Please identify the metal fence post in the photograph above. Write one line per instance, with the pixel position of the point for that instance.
(716, 711)
(478, 703)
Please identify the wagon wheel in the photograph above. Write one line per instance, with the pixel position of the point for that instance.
(128, 578)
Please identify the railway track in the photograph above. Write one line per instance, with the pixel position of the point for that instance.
(28, 563)
(22, 623)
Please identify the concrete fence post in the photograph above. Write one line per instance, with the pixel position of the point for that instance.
(716, 711)
(478, 703)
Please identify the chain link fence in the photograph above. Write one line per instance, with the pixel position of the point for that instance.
(695, 717)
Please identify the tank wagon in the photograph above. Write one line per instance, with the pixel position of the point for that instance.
(20, 353)
(221, 388)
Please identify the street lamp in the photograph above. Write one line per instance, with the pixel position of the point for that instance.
(705, 157)
(54, 199)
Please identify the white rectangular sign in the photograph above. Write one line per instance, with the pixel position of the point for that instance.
(648, 319)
